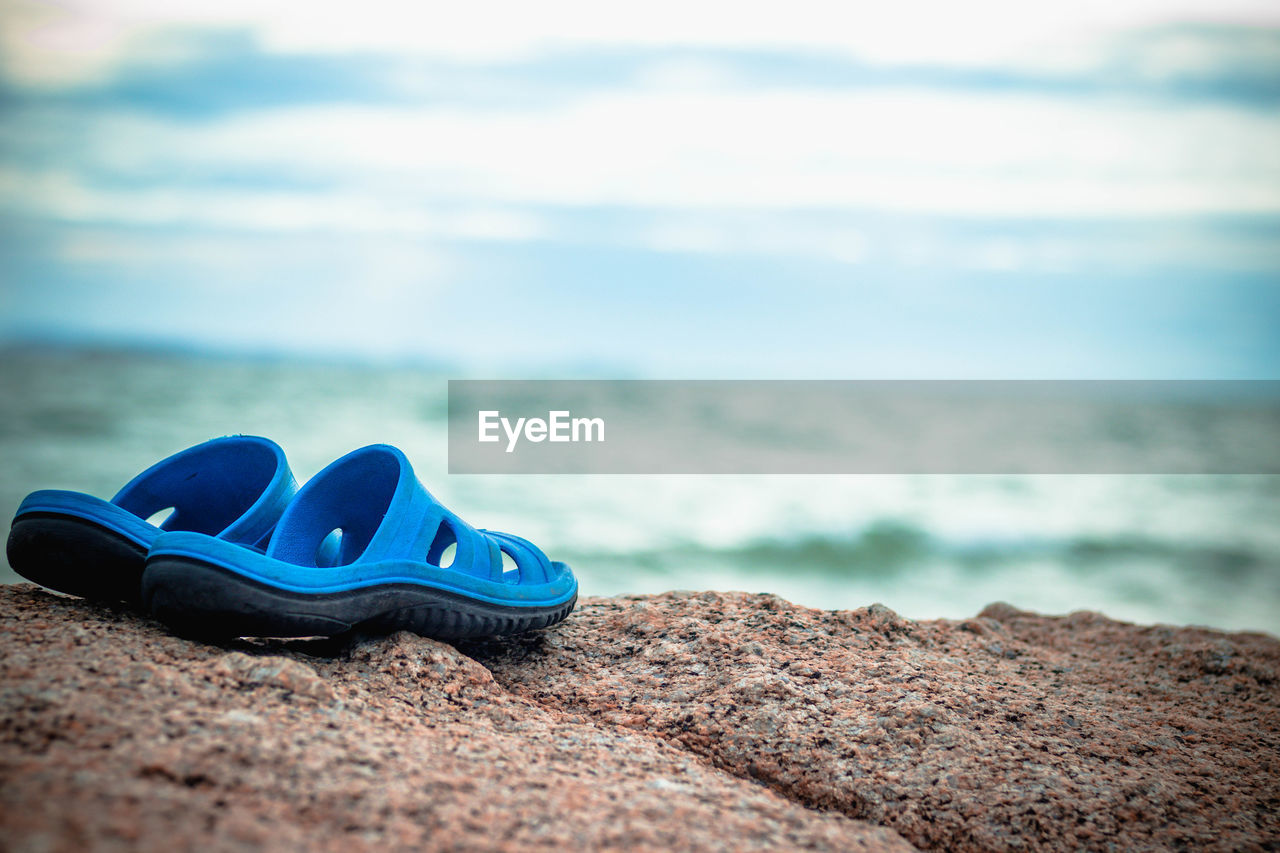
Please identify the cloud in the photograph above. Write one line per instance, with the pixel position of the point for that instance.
(62, 197)
(1174, 120)
(192, 60)
(81, 40)
(993, 179)
(891, 150)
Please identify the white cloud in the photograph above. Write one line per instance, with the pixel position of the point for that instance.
(87, 38)
(889, 150)
(685, 140)
(64, 196)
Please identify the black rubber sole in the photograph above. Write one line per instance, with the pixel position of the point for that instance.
(196, 599)
(76, 556)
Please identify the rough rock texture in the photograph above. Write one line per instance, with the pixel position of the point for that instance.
(118, 735)
(1005, 732)
(681, 721)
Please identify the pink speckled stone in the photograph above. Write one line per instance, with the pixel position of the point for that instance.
(700, 721)
(115, 735)
(1009, 731)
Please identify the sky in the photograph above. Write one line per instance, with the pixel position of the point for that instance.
(710, 189)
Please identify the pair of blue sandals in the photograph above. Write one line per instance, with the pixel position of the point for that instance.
(246, 553)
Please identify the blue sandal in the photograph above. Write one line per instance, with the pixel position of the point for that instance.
(234, 488)
(402, 561)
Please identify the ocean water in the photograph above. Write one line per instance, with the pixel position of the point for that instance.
(1182, 549)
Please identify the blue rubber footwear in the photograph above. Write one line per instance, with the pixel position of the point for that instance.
(402, 562)
(233, 488)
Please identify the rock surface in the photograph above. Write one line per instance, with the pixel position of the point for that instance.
(696, 721)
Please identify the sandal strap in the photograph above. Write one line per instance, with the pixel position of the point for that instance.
(234, 487)
(385, 513)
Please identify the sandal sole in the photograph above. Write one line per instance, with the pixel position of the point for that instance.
(76, 556)
(197, 599)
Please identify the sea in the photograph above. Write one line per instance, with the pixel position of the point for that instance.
(1149, 548)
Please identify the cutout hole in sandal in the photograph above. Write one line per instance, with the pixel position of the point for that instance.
(444, 546)
(329, 553)
(160, 516)
(510, 568)
(447, 555)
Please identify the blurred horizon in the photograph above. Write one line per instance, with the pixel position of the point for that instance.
(1082, 191)
(1173, 548)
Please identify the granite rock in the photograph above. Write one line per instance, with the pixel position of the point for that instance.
(699, 721)
(117, 735)
(1008, 731)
